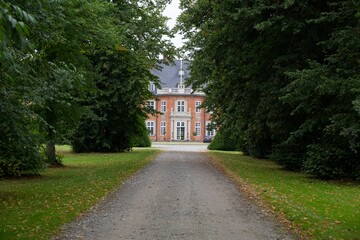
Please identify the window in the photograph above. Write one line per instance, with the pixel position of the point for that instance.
(197, 128)
(152, 87)
(210, 129)
(151, 127)
(181, 74)
(197, 106)
(162, 128)
(163, 106)
(181, 106)
(151, 104)
(180, 130)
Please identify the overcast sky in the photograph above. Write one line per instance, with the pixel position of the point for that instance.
(172, 11)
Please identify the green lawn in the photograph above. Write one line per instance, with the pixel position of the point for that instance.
(317, 209)
(35, 208)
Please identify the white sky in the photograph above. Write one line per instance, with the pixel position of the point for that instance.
(172, 11)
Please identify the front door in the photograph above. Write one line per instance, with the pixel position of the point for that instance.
(180, 130)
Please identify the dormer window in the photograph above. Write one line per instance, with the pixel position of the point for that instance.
(181, 74)
(152, 87)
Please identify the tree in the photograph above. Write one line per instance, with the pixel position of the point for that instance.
(19, 148)
(118, 113)
(67, 32)
(271, 85)
(327, 94)
(64, 56)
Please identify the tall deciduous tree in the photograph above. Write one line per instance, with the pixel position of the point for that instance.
(66, 33)
(276, 78)
(19, 150)
(80, 50)
(118, 113)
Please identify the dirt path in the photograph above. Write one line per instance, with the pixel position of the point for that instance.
(179, 196)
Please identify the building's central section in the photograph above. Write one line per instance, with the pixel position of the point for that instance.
(180, 117)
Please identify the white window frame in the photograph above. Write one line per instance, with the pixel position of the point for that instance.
(152, 87)
(180, 125)
(151, 104)
(180, 106)
(198, 128)
(197, 106)
(163, 106)
(211, 133)
(162, 128)
(150, 125)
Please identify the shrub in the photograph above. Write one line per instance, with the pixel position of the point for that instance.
(329, 162)
(19, 146)
(289, 155)
(142, 141)
(222, 142)
(97, 134)
(20, 157)
(142, 138)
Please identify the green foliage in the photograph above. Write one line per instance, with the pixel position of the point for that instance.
(117, 114)
(19, 145)
(117, 119)
(56, 55)
(15, 160)
(141, 138)
(286, 83)
(141, 141)
(332, 161)
(222, 142)
(14, 24)
(66, 32)
(289, 155)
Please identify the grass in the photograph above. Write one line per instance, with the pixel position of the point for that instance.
(313, 208)
(36, 208)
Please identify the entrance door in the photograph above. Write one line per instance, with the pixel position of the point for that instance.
(180, 130)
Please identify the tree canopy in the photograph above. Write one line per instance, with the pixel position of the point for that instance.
(282, 78)
(68, 62)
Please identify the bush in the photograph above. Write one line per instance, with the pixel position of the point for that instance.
(289, 155)
(222, 142)
(19, 146)
(20, 157)
(141, 136)
(331, 162)
(141, 140)
(97, 134)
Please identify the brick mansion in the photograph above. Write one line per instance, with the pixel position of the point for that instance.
(181, 118)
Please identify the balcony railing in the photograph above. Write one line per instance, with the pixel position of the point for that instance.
(180, 114)
(178, 91)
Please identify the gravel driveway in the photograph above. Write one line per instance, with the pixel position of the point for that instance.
(178, 196)
(181, 147)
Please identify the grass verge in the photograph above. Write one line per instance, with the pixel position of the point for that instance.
(36, 208)
(312, 208)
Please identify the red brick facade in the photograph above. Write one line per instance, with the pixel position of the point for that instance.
(181, 118)
(179, 122)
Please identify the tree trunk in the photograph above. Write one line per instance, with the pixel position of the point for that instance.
(51, 158)
(50, 153)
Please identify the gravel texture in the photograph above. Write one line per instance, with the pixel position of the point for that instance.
(178, 196)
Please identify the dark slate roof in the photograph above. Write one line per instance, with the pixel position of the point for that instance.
(169, 74)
